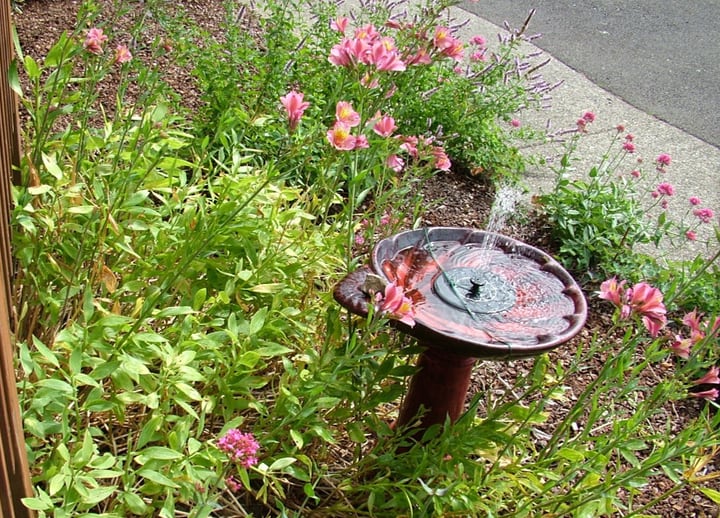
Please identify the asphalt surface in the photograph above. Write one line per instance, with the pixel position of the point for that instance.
(660, 56)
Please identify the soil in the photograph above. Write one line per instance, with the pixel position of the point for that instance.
(456, 200)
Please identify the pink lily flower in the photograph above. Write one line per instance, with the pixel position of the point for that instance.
(385, 126)
(122, 54)
(710, 395)
(711, 377)
(396, 305)
(340, 138)
(344, 113)
(295, 107)
(94, 40)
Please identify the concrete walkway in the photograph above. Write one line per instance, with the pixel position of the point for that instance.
(695, 167)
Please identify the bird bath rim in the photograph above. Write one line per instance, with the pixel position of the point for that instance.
(448, 338)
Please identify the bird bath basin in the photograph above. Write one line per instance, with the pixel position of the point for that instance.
(477, 295)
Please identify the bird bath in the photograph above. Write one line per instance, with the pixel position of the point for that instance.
(477, 295)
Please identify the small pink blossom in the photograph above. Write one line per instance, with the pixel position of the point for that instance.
(647, 301)
(478, 40)
(396, 305)
(691, 235)
(94, 40)
(240, 447)
(340, 24)
(681, 346)
(635, 173)
(409, 145)
(711, 377)
(694, 200)
(588, 116)
(122, 54)
(345, 114)
(629, 137)
(232, 484)
(421, 57)
(620, 128)
(294, 106)
(478, 55)
(442, 162)
(395, 163)
(385, 126)
(359, 239)
(361, 142)
(628, 146)
(710, 395)
(613, 291)
(385, 219)
(704, 215)
(666, 189)
(340, 138)
(663, 159)
(515, 123)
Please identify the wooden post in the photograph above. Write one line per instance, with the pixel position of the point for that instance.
(14, 471)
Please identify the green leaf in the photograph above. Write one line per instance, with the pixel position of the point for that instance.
(45, 352)
(257, 322)
(32, 68)
(14, 79)
(158, 453)
(50, 163)
(157, 477)
(712, 494)
(282, 463)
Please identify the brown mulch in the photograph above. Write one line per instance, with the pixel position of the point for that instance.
(456, 200)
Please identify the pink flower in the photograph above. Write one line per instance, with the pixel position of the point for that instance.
(344, 113)
(613, 291)
(240, 447)
(711, 377)
(386, 59)
(620, 128)
(347, 53)
(666, 189)
(232, 484)
(340, 24)
(478, 55)
(442, 162)
(396, 305)
(385, 219)
(647, 301)
(421, 57)
(629, 146)
(642, 299)
(681, 346)
(368, 32)
(410, 146)
(478, 40)
(443, 38)
(395, 163)
(629, 137)
(515, 123)
(691, 235)
(588, 116)
(94, 40)
(710, 395)
(385, 126)
(359, 239)
(704, 215)
(340, 138)
(635, 173)
(663, 159)
(122, 54)
(694, 200)
(295, 107)
(361, 142)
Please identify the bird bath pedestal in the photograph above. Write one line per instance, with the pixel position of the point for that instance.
(477, 295)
